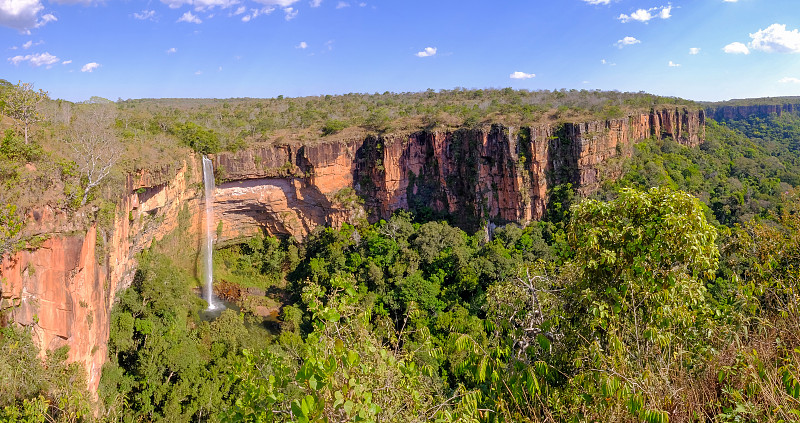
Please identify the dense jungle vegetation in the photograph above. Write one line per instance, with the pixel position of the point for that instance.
(671, 295)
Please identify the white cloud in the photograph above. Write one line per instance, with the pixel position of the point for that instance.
(200, 5)
(38, 59)
(645, 15)
(189, 18)
(279, 3)
(172, 50)
(145, 15)
(85, 2)
(362, 4)
(239, 10)
(291, 13)
(776, 39)
(729, 1)
(597, 2)
(198, 72)
(627, 41)
(329, 44)
(27, 45)
(521, 75)
(789, 80)
(315, 3)
(694, 50)
(429, 51)
(20, 14)
(736, 48)
(46, 19)
(66, 62)
(90, 67)
(673, 64)
(342, 5)
(254, 13)
(302, 45)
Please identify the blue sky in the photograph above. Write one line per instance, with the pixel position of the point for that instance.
(696, 49)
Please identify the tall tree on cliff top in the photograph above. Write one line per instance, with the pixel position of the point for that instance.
(94, 143)
(22, 104)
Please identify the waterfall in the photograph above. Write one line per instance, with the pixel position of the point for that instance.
(208, 183)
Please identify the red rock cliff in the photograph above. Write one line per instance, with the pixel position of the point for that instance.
(723, 113)
(493, 174)
(64, 287)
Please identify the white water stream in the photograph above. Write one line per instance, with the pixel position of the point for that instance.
(208, 251)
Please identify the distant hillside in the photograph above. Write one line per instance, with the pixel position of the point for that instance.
(749, 107)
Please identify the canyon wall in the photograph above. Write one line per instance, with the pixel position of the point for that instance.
(64, 283)
(494, 174)
(723, 113)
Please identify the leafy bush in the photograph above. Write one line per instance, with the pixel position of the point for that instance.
(333, 126)
(196, 137)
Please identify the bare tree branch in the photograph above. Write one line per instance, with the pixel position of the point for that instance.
(95, 146)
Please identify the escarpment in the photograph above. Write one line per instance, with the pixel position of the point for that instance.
(725, 112)
(64, 285)
(492, 174)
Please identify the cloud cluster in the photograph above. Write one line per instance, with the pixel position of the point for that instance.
(789, 80)
(522, 75)
(90, 67)
(627, 41)
(23, 15)
(201, 5)
(427, 52)
(736, 48)
(645, 15)
(773, 39)
(145, 15)
(694, 50)
(38, 59)
(598, 2)
(206, 5)
(189, 17)
(776, 39)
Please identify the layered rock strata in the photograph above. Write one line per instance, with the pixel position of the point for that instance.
(63, 285)
(723, 113)
(495, 174)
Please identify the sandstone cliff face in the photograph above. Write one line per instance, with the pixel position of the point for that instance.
(723, 113)
(64, 288)
(496, 174)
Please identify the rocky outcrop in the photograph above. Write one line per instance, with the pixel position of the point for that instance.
(495, 174)
(723, 113)
(64, 283)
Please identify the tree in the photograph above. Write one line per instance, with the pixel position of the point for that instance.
(10, 225)
(635, 293)
(22, 104)
(95, 145)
